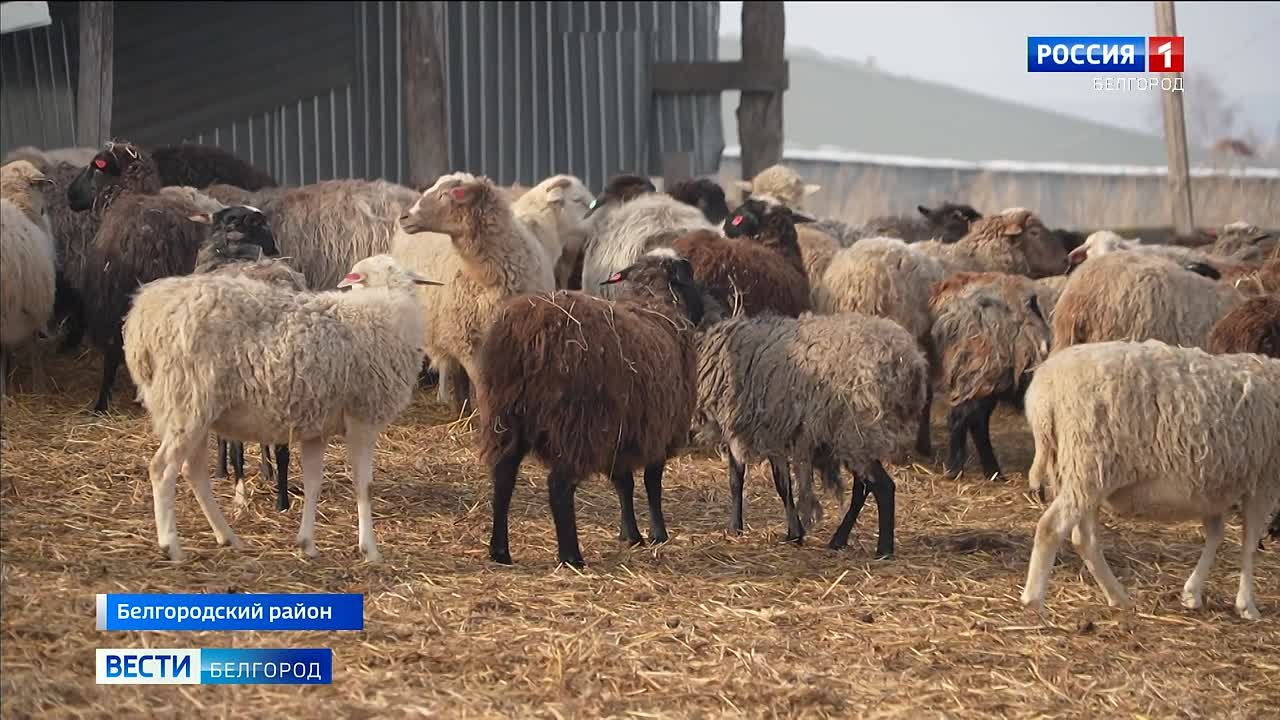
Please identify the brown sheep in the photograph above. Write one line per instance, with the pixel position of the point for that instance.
(1252, 327)
(588, 385)
(1013, 241)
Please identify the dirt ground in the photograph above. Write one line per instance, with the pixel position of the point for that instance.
(707, 625)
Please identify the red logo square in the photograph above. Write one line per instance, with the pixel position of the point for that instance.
(1164, 53)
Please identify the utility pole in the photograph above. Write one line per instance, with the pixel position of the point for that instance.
(95, 80)
(1175, 135)
(760, 113)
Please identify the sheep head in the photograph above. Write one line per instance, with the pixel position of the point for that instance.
(703, 194)
(1098, 243)
(240, 232)
(120, 166)
(782, 182)
(621, 189)
(661, 277)
(950, 220)
(22, 178)
(765, 218)
(382, 271)
(455, 206)
(1028, 244)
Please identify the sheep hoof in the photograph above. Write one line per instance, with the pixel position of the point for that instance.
(1033, 604)
(838, 544)
(502, 556)
(174, 552)
(659, 539)
(1249, 612)
(795, 539)
(231, 541)
(372, 555)
(308, 546)
(884, 554)
(575, 561)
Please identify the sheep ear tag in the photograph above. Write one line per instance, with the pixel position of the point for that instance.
(459, 194)
(100, 163)
(737, 220)
(616, 277)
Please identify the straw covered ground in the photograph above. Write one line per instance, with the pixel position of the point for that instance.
(707, 625)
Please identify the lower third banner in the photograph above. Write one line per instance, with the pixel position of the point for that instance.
(215, 666)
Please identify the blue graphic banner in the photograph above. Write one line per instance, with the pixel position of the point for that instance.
(235, 611)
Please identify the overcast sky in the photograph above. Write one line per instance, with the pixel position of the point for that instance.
(982, 47)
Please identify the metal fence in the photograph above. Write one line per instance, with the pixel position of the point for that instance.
(534, 88)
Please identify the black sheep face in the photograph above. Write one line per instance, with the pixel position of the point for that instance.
(659, 274)
(107, 168)
(621, 189)
(746, 220)
(248, 226)
(705, 195)
(951, 218)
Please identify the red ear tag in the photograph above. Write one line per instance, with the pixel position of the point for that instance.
(458, 193)
(737, 220)
(616, 277)
(100, 164)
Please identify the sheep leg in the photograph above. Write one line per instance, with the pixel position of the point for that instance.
(1193, 591)
(737, 478)
(782, 483)
(197, 474)
(653, 490)
(237, 464)
(111, 360)
(924, 439)
(282, 476)
(35, 359)
(503, 473)
(980, 429)
(163, 470)
(957, 432)
(68, 303)
(312, 481)
(1085, 538)
(625, 485)
(1255, 523)
(840, 540)
(220, 471)
(560, 489)
(360, 454)
(885, 492)
(1051, 530)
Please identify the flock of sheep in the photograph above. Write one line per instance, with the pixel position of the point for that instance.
(605, 333)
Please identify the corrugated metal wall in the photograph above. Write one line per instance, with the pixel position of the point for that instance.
(574, 95)
(534, 88)
(38, 87)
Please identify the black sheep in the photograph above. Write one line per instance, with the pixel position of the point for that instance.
(703, 194)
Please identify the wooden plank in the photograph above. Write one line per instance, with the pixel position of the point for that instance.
(1175, 134)
(760, 113)
(426, 126)
(95, 82)
(703, 77)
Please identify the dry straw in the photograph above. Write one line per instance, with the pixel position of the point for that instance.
(705, 626)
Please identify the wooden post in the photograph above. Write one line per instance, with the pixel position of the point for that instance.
(760, 113)
(1175, 135)
(95, 81)
(426, 119)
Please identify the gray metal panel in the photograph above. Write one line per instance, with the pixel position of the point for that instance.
(37, 82)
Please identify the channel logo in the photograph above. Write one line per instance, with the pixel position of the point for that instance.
(214, 666)
(1105, 54)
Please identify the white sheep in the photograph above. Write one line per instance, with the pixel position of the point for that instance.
(1148, 429)
(289, 366)
(27, 262)
(621, 232)
(555, 212)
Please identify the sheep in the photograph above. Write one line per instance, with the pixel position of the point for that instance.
(1136, 296)
(622, 230)
(326, 227)
(1014, 241)
(1252, 327)
(946, 223)
(493, 258)
(704, 194)
(591, 386)
(782, 183)
(290, 366)
(989, 333)
(46, 159)
(620, 189)
(1242, 241)
(27, 264)
(813, 251)
(555, 212)
(203, 165)
(142, 236)
(239, 242)
(1148, 429)
(885, 277)
(829, 390)
(1105, 241)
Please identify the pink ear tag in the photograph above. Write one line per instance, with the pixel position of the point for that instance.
(458, 193)
(100, 164)
(737, 220)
